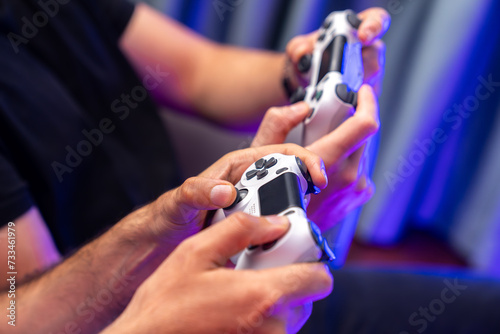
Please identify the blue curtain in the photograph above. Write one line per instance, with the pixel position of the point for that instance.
(438, 169)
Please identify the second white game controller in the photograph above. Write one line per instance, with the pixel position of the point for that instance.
(335, 74)
(279, 185)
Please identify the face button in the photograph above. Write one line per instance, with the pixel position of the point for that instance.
(319, 94)
(251, 174)
(260, 163)
(322, 37)
(271, 162)
(262, 173)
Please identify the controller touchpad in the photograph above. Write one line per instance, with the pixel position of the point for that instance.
(280, 194)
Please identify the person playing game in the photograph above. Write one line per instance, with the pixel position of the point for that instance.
(81, 146)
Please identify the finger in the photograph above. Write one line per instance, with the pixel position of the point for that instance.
(374, 64)
(375, 23)
(234, 164)
(195, 194)
(278, 122)
(300, 283)
(301, 46)
(215, 245)
(351, 134)
(349, 170)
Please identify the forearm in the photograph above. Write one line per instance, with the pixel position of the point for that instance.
(240, 84)
(93, 286)
(226, 84)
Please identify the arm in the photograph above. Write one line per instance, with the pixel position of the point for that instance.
(34, 248)
(226, 84)
(74, 295)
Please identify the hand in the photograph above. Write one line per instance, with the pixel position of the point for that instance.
(181, 212)
(192, 291)
(375, 23)
(343, 153)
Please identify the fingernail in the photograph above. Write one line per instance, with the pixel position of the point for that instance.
(323, 171)
(221, 195)
(278, 220)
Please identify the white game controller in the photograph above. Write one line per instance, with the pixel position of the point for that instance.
(280, 185)
(335, 74)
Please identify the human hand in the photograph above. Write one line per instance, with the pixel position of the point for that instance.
(342, 150)
(182, 212)
(192, 291)
(375, 23)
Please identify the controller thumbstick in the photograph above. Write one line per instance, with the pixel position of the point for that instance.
(353, 20)
(299, 95)
(304, 63)
(346, 95)
(240, 195)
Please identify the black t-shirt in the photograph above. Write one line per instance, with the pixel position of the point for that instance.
(79, 135)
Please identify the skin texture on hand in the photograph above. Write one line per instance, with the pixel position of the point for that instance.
(199, 295)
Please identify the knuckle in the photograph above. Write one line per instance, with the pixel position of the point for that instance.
(274, 115)
(185, 189)
(290, 147)
(241, 220)
(369, 124)
(191, 246)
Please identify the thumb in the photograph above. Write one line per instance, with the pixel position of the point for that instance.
(182, 204)
(215, 245)
(278, 122)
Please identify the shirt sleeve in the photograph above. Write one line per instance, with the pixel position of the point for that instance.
(15, 198)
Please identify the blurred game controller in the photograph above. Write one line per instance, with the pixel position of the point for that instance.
(335, 74)
(278, 185)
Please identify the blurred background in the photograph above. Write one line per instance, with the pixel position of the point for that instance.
(437, 175)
